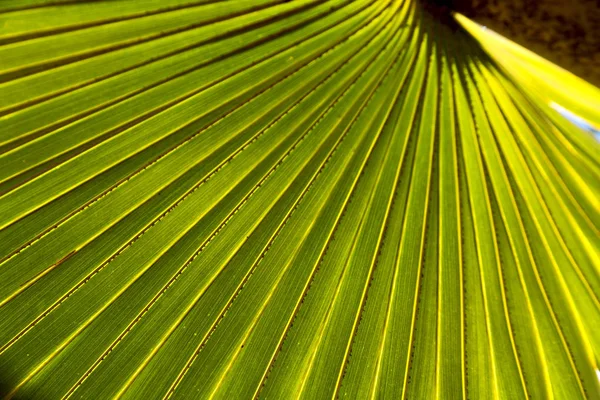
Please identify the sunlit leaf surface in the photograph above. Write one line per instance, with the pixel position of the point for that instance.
(289, 199)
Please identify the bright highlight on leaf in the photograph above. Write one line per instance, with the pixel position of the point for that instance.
(290, 199)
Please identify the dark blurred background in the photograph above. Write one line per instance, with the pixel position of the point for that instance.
(565, 32)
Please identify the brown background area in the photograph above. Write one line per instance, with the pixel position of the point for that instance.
(566, 32)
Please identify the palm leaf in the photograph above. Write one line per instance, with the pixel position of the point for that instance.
(263, 198)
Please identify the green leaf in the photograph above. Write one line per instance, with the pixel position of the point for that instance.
(275, 199)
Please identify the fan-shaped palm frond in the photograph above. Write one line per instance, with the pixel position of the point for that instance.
(285, 199)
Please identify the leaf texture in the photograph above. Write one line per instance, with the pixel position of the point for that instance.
(290, 199)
